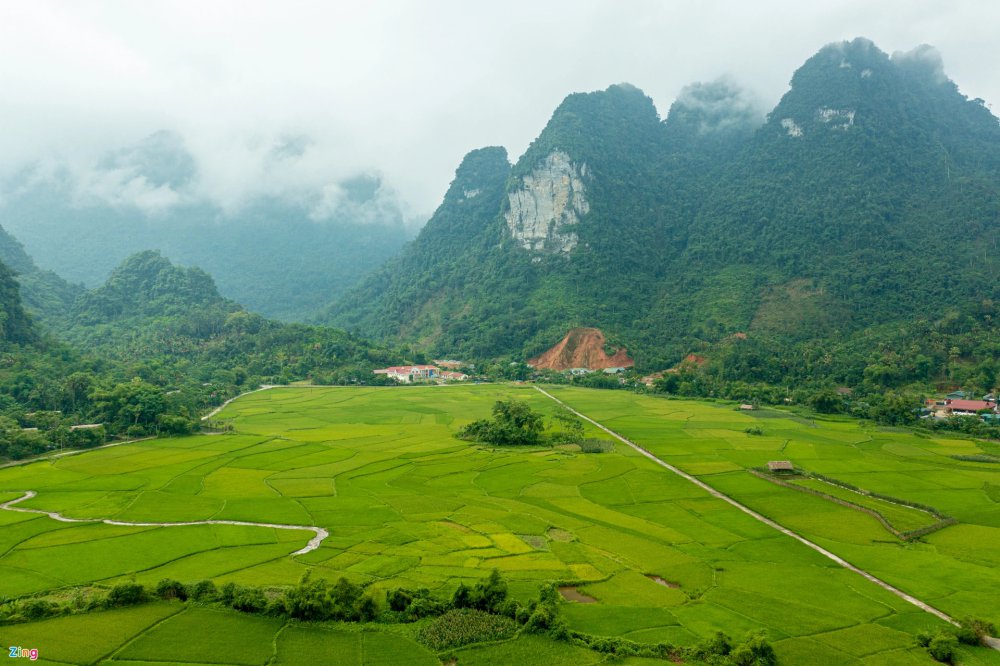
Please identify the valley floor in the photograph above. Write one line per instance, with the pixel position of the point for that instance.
(407, 504)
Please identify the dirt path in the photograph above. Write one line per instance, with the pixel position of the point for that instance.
(313, 544)
(767, 521)
(263, 387)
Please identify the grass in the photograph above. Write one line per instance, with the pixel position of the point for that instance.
(409, 505)
(209, 636)
(903, 518)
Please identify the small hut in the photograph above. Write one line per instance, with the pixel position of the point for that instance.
(780, 467)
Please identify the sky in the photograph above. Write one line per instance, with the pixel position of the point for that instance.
(286, 97)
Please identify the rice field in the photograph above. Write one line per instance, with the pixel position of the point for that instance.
(407, 504)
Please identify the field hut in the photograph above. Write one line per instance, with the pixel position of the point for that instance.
(780, 467)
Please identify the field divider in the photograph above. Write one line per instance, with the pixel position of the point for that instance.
(763, 519)
(314, 543)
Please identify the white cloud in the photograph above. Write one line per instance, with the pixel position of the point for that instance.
(400, 88)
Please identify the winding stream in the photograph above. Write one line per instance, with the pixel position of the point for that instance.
(313, 544)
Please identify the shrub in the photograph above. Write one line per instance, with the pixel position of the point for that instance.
(36, 609)
(171, 589)
(398, 599)
(972, 631)
(464, 626)
(754, 430)
(246, 599)
(126, 594)
(592, 445)
(717, 646)
(753, 651)
(513, 423)
(204, 591)
(942, 647)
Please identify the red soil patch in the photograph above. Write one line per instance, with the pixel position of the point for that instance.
(581, 348)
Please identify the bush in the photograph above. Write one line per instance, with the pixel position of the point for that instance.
(592, 445)
(942, 647)
(464, 626)
(126, 594)
(753, 651)
(972, 631)
(398, 599)
(171, 589)
(717, 646)
(36, 609)
(204, 591)
(513, 423)
(246, 599)
(754, 430)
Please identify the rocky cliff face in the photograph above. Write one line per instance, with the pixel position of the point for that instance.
(549, 203)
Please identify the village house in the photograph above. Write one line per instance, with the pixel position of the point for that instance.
(450, 376)
(409, 373)
(967, 407)
(942, 409)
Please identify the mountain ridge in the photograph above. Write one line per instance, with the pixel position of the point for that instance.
(822, 220)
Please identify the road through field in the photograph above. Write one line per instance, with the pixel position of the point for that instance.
(767, 521)
(313, 544)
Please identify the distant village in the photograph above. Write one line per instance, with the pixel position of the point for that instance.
(962, 403)
(442, 371)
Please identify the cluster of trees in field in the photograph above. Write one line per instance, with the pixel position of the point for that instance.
(514, 423)
(942, 645)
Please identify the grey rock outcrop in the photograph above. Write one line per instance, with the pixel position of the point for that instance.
(549, 203)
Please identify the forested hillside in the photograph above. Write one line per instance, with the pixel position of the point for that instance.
(148, 352)
(860, 215)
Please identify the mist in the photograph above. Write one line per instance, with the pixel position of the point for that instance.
(155, 105)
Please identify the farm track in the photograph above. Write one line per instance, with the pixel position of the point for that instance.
(992, 642)
(313, 544)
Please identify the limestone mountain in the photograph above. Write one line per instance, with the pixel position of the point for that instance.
(869, 196)
(149, 285)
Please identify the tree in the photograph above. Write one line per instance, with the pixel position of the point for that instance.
(513, 423)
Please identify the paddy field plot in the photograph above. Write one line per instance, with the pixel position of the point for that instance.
(407, 504)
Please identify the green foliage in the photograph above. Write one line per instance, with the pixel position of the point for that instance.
(126, 594)
(787, 261)
(753, 650)
(513, 423)
(942, 647)
(203, 591)
(171, 589)
(464, 626)
(591, 445)
(571, 428)
(162, 346)
(973, 631)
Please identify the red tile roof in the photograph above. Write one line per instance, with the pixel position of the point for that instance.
(969, 405)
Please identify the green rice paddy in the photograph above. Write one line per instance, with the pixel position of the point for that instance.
(407, 504)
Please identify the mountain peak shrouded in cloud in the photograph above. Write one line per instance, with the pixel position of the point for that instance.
(924, 59)
(717, 107)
